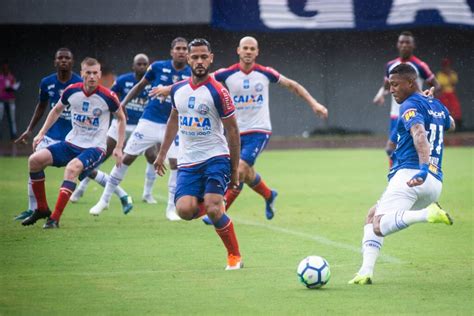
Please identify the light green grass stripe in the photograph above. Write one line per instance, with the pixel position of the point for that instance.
(317, 238)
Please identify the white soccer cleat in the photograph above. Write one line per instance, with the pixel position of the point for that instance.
(172, 215)
(149, 199)
(98, 208)
(76, 195)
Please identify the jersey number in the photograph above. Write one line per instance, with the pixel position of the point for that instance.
(434, 130)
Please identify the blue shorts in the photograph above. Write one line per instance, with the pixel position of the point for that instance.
(251, 145)
(63, 152)
(211, 176)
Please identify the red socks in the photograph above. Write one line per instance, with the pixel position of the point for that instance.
(261, 188)
(37, 184)
(228, 237)
(64, 194)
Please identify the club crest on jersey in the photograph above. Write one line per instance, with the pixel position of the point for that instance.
(97, 112)
(246, 84)
(85, 106)
(191, 102)
(203, 109)
(408, 114)
(259, 87)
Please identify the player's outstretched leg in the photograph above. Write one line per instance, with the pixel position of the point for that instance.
(101, 178)
(229, 197)
(80, 190)
(150, 178)
(393, 222)
(259, 186)
(114, 180)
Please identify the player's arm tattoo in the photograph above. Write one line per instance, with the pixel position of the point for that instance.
(420, 140)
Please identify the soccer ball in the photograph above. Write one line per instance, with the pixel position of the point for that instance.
(313, 272)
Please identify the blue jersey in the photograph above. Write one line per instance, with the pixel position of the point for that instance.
(162, 73)
(433, 115)
(50, 90)
(135, 107)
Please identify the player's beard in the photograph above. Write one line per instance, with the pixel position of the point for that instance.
(201, 74)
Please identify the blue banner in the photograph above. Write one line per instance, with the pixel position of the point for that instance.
(289, 15)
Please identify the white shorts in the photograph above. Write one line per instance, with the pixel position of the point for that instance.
(113, 130)
(45, 142)
(146, 135)
(398, 196)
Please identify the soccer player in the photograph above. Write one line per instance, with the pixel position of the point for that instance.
(415, 179)
(51, 88)
(134, 110)
(202, 110)
(152, 125)
(84, 147)
(405, 46)
(248, 84)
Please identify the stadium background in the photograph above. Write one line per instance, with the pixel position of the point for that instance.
(343, 69)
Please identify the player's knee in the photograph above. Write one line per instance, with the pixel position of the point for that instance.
(370, 215)
(185, 209)
(73, 168)
(214, 209)
(377, 230)
(36, 162)
(129, 159)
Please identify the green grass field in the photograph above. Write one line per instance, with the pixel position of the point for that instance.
(143, 264)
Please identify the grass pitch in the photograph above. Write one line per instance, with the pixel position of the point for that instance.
(143, 264)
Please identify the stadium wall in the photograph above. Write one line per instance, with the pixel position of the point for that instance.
(342, 69)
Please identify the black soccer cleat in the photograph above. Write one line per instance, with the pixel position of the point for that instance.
(37, 215)
(51, 223)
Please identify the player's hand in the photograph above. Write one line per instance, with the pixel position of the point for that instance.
(429, 92)
(160, 91)
(23, 137)
(38, 138)
(234, 180)
(379, 100)
(118, 155)
(420, 177)
(159, 164)
(320, 111)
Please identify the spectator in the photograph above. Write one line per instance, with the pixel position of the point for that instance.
(448, 79)
(8, 86)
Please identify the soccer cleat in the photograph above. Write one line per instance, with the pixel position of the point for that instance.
(270, 208)
(98, 208)
(23, 215)
(51, 223)
(76, 195)
(127, 204)
(37, 215)
(234, 262)
(437, 215)
(149, 199)
(361, 279)
(206, 220)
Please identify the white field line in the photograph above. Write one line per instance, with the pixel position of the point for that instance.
(320, 239)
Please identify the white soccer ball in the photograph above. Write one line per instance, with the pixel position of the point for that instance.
(313, 272)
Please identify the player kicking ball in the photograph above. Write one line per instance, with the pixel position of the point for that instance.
(415, 179)
(85, 145)
(201, 110)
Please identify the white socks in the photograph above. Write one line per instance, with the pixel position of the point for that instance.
(172, 188)
(82, 187)
(371, 245)
(102, 178)
(32, 205)
(150, 177)
(394, 222)
(115, 178)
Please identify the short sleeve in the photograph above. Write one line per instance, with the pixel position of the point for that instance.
(113, 103)
(223, 102)
(116, 87)
(66, 94)
(150, 74)
(410, 115)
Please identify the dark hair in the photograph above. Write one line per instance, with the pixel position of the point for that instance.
(199, 42)
(404, 70)
(64, 49)
(407, 33)
(178, 40)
